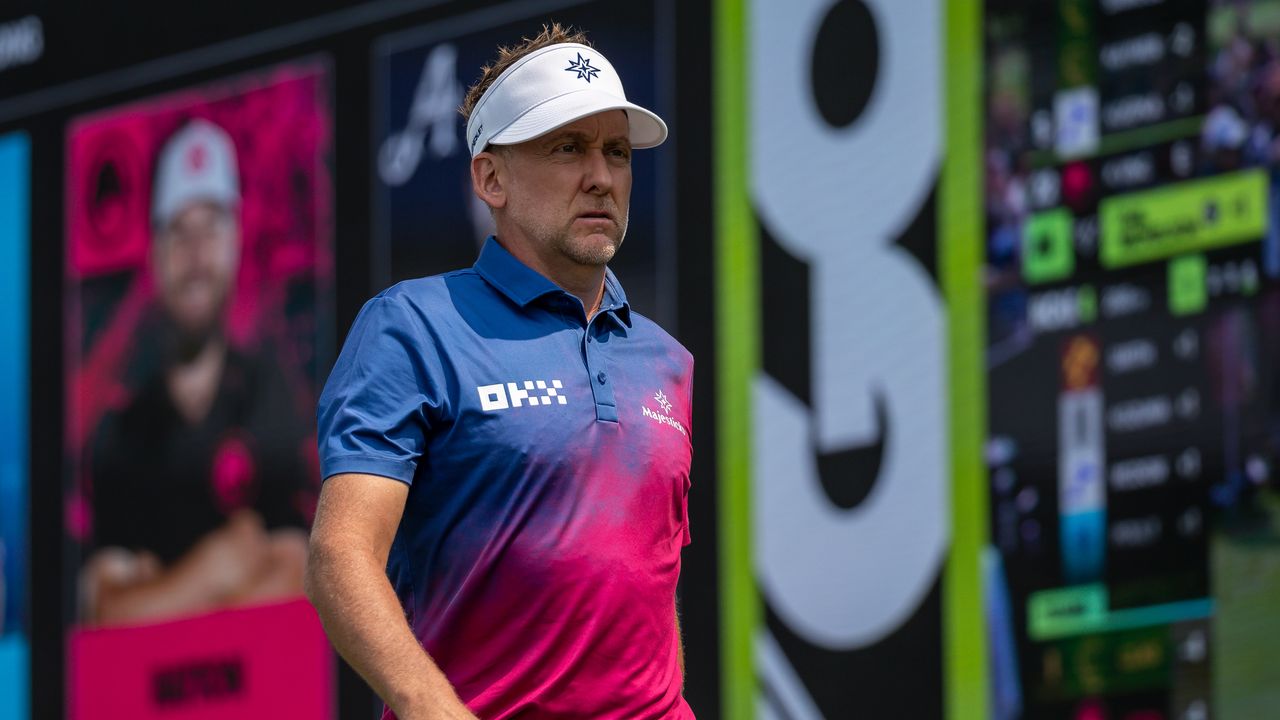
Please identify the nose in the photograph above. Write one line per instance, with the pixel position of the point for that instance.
(596, 178)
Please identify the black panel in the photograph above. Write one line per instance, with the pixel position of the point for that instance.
(898, 677)
(87, 38)
(845, 63)
(784, 315)
(849, 474)
(49, 604)
(921, 237)
(696, 314)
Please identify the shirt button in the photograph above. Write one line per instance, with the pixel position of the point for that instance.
(588, 337)
(602, 377)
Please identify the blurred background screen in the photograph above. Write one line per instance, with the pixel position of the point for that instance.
(1132, 259)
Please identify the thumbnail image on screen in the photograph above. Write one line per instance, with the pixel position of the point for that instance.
(198, 274)
(1133, 284)
(15, 153)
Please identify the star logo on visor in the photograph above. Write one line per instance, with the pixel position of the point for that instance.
(583, 67)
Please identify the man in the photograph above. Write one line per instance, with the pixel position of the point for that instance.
(510, 443)
(200, 483)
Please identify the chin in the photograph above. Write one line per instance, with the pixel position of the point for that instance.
(593, 250)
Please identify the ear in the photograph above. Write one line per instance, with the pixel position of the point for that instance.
(487, 176)
(155, 252)
(237, 238)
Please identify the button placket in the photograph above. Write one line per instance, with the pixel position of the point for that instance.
(598, 376)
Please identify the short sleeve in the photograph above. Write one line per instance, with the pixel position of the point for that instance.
(374, 415)
(688, 403)
(685, 537)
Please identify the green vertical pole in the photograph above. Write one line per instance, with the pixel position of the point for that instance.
(960, 243)
(737, 350)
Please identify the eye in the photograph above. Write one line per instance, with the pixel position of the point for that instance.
(620, 152)
(568, 147)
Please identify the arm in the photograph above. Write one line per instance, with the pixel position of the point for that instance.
(680, 646)
(124, 586)
(346, 581)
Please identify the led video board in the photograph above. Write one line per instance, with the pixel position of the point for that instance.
(15, 221)
(1132, 278)
(849, 577)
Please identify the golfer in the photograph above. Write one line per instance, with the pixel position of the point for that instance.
(506, 448)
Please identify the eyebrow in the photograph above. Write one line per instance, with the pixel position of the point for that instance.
(583, 137)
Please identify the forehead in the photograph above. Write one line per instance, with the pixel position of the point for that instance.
(195, 213)
(610, 124)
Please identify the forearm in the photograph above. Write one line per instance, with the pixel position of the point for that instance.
(155, 600)
(679, 647)
(366, 624)
(120, 592)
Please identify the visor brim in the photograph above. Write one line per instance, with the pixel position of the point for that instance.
(646, 129)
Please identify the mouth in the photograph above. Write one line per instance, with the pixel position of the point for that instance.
(595, 215)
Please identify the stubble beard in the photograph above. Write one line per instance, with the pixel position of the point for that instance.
(184, 342)
(588, 250)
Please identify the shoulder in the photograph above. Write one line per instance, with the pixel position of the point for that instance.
(646, 328)
(426, 292)
(426, 298)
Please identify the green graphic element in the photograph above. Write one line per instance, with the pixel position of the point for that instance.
(1246, 582)
(1087, 304)
(1188, 291)
(1249, 283)
(1048, 252)
(961, 250)
(738, 343)
(1077, 55)
(1054, 613)
(1107, 664)
(1084, 609)
(1137, 139)
(1187, 217)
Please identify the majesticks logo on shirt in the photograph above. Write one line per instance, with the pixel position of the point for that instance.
(662, 417)
(500, 396)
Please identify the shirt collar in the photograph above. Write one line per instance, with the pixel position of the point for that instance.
(615, 299)
(522, 284)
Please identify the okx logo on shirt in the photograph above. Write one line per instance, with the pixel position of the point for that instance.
(501, 396)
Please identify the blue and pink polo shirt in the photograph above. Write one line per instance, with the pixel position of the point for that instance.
(548, 463)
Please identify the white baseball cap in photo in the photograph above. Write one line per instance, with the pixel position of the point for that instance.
(549, 88)
(198, 163)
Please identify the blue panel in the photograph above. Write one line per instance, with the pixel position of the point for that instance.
(1084, 548)
(14, 248)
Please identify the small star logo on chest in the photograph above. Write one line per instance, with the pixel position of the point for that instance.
(583, 67)
(662, 400)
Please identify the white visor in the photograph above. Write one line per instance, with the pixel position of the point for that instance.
(550, 88)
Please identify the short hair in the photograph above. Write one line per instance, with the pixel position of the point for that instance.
(552, 34)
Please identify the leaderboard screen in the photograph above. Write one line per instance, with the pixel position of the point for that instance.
(1133, 356)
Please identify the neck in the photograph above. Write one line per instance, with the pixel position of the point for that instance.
(193, 384)
(585, 282)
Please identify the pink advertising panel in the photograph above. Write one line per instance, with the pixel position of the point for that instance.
(198, 277)
(213, 666)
